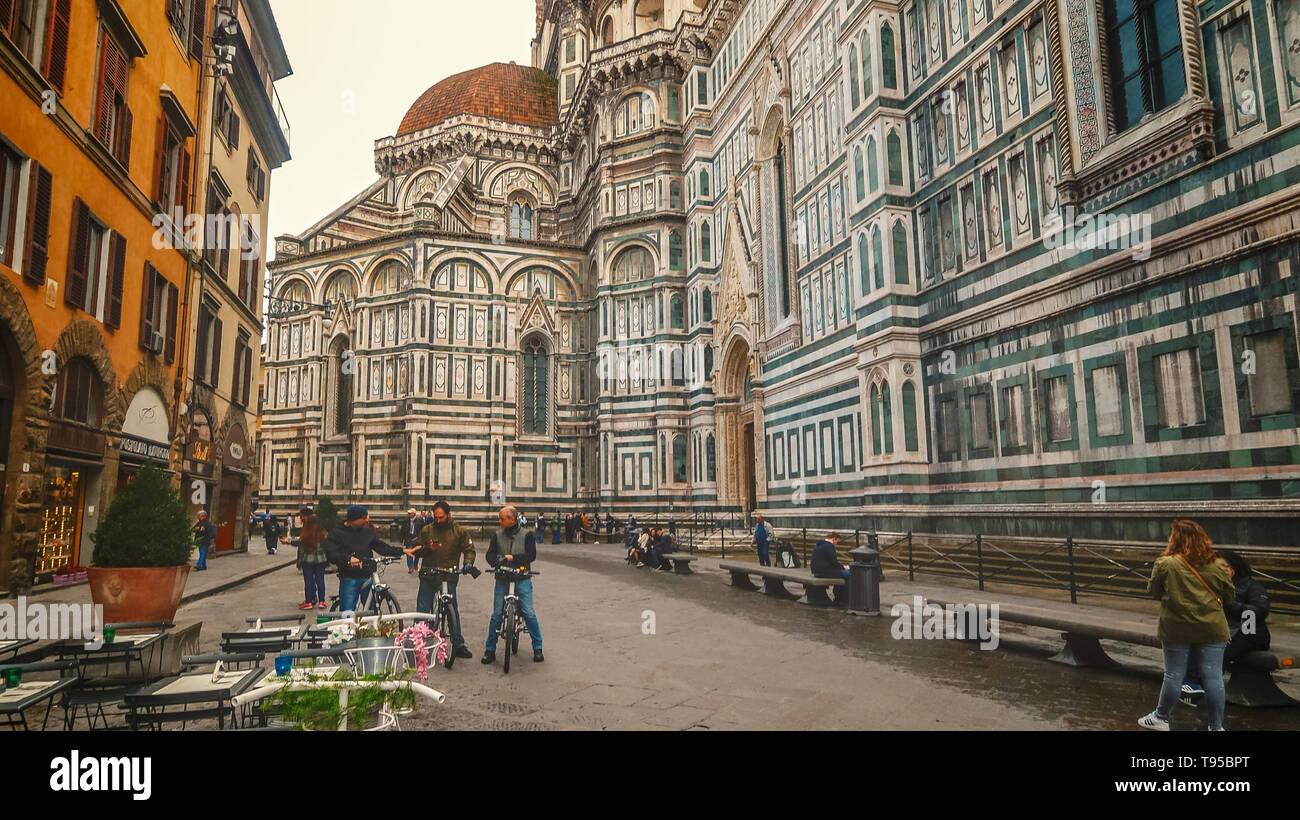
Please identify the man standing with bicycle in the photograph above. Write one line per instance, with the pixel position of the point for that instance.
(513, 547)
(441, 545)
(351, 546)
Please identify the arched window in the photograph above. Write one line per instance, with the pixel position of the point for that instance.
(294, 297)
(633, 264)
(342, 287)
(78, 395)
(675, 250)
(864, 268)
(708, 305)
(855, 96)
(782, 221)
(877, 256)
(704, 183)
(607, 31)
(676, 320)
(636, 113)
(708, 361)
(675, 194)
(875, 420)
(909, 418)
(340, 405)
(521, 219)
(706, 243)
(900, 253)
(888, 70)
(385, 279)
(859, 181)
(711, 458)
(873, 165)
(887, 416)
(679, 459)
(675, 360)
(535, 398)
(868, 83)
(894, 158)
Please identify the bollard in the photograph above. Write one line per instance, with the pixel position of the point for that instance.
(864, 580)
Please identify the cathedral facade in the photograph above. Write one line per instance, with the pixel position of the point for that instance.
(996, 266)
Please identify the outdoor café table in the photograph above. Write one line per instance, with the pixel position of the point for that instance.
(300, 673)
(16, 700)
(296, 634)
(194, 689)
(125, 648)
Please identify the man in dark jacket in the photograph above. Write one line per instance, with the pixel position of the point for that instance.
(516, 548)
(349, 546)
(272, 532)
(204, 535)
(440, 546)
(663, 547)
(609, 524)
(825, 563)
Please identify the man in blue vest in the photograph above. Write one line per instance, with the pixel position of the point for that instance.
(762, 534)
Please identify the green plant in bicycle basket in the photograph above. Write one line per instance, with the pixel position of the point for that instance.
(320, 709)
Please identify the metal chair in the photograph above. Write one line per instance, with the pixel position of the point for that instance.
(66, 669)
(268, 643)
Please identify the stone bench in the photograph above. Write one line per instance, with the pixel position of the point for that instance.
(775, 579)
(1248, 683)
(680, 561)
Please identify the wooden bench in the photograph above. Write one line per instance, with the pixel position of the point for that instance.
(1249, 682)
(775, 579)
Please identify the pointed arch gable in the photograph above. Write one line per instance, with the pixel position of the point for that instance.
(433, 264)
(510, 178)
(518, 267)
(335, 269)
(376, 264)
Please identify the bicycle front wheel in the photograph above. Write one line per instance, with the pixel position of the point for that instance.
(387, 605)
(511, 627)
(447, 627)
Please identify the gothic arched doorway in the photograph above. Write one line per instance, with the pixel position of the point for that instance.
(740, 423)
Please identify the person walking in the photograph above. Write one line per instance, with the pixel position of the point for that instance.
(541, 526)
(762, 537)
(441, 545)
(515, 548)
(1192, 584)
(825, 563)
(205, 534)
(410, 537)
(272, 532)
(351, 546)
(312, 560)
(609, 524)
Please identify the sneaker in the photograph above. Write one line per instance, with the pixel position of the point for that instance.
(321, 605)
(639, 564)
(1215, 729)
(1191, 695)
(1154, 721)
(489, 657)
(537, 656)
(463, 652)
(306, 605)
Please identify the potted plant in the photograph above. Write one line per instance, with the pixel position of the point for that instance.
(142, 551)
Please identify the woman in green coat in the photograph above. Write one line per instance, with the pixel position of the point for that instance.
(1192, 584)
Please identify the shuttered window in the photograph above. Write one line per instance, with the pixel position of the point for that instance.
(11, 165)
(40, 187)
(112, 116)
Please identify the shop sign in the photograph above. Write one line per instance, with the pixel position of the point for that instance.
(146, 449)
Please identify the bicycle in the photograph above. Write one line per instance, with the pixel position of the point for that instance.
(512, 620)
(375, 595)
(445, 620)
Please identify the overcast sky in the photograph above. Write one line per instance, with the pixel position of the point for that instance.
(381, 55)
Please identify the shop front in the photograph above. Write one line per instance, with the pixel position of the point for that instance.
(74, 465)
(233, 504)
(146, 436)
(199, 472)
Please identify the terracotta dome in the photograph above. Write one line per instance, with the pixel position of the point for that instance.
(501, 91)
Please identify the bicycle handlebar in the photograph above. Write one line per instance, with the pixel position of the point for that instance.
(510, 571)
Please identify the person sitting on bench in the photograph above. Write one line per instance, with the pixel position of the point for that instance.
(663, 548)
(825, 563)
(1247, 628)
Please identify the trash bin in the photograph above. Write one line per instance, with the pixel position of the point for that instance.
(864, 579)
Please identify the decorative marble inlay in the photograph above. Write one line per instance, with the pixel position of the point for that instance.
(984, 87)
(1085, 99)
(993, 208)
(969, 222)
(1010, 80)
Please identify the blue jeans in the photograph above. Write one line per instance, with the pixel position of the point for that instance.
(425, 599)
(1208, 658)
(203, 557)
(842, 593)
(763, 559)
(352, 590)
(524, 589)
(313, 583)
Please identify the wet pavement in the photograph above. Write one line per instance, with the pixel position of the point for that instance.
(722, 658)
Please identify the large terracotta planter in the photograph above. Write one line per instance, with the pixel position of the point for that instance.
(138, 593)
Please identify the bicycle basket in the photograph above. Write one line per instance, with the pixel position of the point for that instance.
(374, 656)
